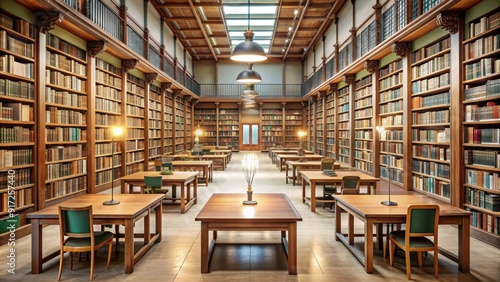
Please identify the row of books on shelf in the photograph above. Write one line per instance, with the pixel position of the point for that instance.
(431, 135)
(16, 134)
(15, 45)
(483, 199)
(431, 168)
(66, 134)
(484, 67)
(66, 98)
(427, 51)
(135, 99)
(105, 119)
(481, 46)
(10, 65)
(431, 66)
(21, 177)
(62, 62)
(57, 153)
(490, 89)
(21, 198)
(482, 157)
(487, 222)
(432, 152)
(481, 178)
(491, 111)
(474, 135)
(431, 185)
(106, 176)
(59, 44)
(108, 106)
(392, 120)
(56, 115)
(106, 78)
(60, 79)
(18, 89)
(135, 122)
(134, 144)
(391, 107)
(63, 187)
(433, 100)
(65, 169)
(390, 68)
(16, 111)
(108, 67)
(432, 83)
(23, 27)
(431, 117)
(484, 24)
(17, 157)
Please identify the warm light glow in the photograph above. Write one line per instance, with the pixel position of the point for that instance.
(117, 131)
(250, 164)
(249, 212)
(196, 139)
(381, 129)
(198, 132)
(302, 133)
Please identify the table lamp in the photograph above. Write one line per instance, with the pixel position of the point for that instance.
(382, 131)
(115, 132)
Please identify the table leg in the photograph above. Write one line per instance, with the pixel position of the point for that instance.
(123, 185)
(338, 221)
(294, 174)
(292, 248)
(313, 196)
(464, 245)
(183, 199)
(281, 165)
(205, 174)
(188, 192)
(129, 246)
(204, 247)
(350, 226)
(303, 190)
(147, 227)
(369, 246)
(286, 174)
(36, 246)
(158, 223)
(174, 192)
(195, 190)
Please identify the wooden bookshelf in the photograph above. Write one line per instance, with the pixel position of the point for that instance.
(320, 125)
(293, 124)
(228, 130)
(391, 118)
(330, 125)
(18, 122)
(168, 122)
(363, 124)
(65, 119)
(343, 125)
(430, 120)
(272, 126)
(180, 124)
(311, 128)
(188, 114)
(108, 111)
(481, 124)
(206, 118)
(135, 125)
(154, 122)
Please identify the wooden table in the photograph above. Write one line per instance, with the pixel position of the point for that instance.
(274, 153)
(223, 152)
(297, 165)
(282, 158)
(226, 212)
(222, 158)
(131, 209)
(317, 177)
(182, 178)
(370, 211)
(206, 166)
(271, 149)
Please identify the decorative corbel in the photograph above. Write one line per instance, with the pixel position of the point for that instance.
(47, 20)
(401, 49)
(371, 66)
(95, 47)
(149, 77)
(348, 79)
(332, 87)
(129, 64)
(194, 102)
(449, 20)
(177, 92)
(165, 86)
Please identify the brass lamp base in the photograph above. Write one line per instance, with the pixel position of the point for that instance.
(249, 200)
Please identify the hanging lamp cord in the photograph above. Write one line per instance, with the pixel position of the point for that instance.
(248, 27)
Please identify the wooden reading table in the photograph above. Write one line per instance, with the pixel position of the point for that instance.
(222, 159)
(206, 166)
(297, 165)
(281, 159)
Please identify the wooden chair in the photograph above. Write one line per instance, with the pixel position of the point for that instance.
(77, 235)
(327, 163)
(422, 221)
(154, 185)
(350, 185)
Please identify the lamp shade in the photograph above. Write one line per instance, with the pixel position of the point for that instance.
(249, 93)
(248, 76)
(248, 51)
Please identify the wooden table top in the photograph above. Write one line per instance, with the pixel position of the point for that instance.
(318, 175)
(215, 156)
(370, 206)
(288, 152)
(306, 156)
(130, 205)
(221, 151)
(177, 176)
(229, 207)
(191, 163)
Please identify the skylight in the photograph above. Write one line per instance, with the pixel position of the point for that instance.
(262, 21)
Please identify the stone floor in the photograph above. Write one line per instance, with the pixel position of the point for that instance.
(320, 257)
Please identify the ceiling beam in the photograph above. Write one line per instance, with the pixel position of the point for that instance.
(203, 31)
(304, 10)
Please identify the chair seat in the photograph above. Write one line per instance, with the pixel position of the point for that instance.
(100, 236)
(330, 190)
(415, 242)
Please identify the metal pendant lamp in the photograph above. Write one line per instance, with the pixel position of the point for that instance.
(248, 51)
(250, 92)
(249, 76)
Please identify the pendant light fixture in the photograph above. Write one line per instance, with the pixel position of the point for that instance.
(248, 51)
(249, 92)
(249, 76)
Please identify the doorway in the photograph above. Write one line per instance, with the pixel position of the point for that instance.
(250, 137)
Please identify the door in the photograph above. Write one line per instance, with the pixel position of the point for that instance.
(250, 137)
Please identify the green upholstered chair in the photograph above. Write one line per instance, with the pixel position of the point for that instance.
(154, 185)
(76, 230)
(327, 163)
(350, 185)
(421, 223)
(168, 164)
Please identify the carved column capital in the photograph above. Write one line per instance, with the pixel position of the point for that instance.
(177, 92)
(377, 6)
(194, 102)
(129, 64)
(95, 47)
(149, 77)
(303, 103)
(332, 87)
(449, 20)
(371, 66)
(348, 79)
(401, 49)
(165, 86)
(188, 98)
(47, 20)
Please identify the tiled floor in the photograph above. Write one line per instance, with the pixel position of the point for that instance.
(320, 257)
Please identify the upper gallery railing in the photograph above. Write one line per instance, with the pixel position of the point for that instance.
(264, 90)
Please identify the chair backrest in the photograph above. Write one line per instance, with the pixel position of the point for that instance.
(168, 164)
(76, 222)
(422, 220)
(153, 181)
(327, 163)
(350, 184)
